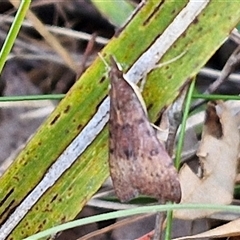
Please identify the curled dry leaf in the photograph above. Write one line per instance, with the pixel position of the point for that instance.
(227, 230)
(218, 155)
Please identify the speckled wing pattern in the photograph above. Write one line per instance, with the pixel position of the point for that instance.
(138, 162)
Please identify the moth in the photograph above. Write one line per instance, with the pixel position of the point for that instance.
(139, 163)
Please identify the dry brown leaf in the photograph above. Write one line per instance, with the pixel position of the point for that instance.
(227, 230)
(218, 155)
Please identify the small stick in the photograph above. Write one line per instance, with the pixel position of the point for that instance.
(160, 216)
(231, 63)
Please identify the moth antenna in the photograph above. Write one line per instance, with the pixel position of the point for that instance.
(171, 60)
(144, 79)
(105, 62)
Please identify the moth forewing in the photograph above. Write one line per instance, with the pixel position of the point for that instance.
(118, 69)
(138, 93)
(138, 162)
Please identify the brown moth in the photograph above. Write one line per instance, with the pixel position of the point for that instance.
(139, 164)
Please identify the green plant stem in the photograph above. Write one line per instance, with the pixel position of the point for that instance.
(32, 97)
(216, 97)
(130, 212)
(183, 126)
(168, 232)
(13, 31)
(61, 96)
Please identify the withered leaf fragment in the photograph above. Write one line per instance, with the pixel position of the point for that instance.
(218, 154)
(138, 162)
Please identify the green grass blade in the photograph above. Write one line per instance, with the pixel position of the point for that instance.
(13, 32)
(32, 97)
(131, 212)
(115, 11)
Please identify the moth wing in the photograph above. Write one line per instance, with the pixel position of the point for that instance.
(138, 162)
